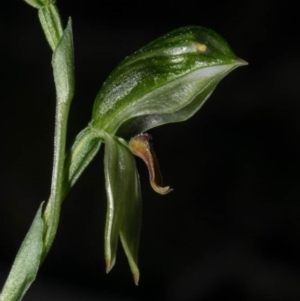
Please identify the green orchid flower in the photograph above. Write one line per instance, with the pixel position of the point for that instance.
(166, 81)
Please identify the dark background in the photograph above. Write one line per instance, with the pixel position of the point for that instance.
(230, 230)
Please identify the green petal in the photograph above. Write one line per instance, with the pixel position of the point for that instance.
(164, 78)
(131, 228)
(124, 204)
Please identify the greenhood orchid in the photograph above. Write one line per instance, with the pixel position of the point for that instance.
(166, 81)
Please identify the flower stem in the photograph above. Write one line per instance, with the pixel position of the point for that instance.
(52, 210)
(51, 24)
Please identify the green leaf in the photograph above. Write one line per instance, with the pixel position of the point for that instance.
(26, 263)
(161, 81)
(51, 24)
(63, 67)
(123, 204)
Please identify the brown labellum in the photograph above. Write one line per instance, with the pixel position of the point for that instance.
(140, 146)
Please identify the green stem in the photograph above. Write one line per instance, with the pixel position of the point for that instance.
(63, 69)
(66, 167)
(52, 211)
(41, 234)
(51, 24)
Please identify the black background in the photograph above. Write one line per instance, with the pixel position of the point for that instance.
(230, 230)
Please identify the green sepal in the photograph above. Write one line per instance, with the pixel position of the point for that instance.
(86, 145)
(27, 261)
(131, 229)
(195, 88)
(124, 207)
(164, 78)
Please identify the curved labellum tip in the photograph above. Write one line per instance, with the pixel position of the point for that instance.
(141, 147)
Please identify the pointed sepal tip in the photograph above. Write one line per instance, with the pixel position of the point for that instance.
(109, 264)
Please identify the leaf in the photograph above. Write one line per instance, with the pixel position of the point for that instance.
(160, 81)
(51, 23)
(124, 204)
(63, 67)
(26, 263)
